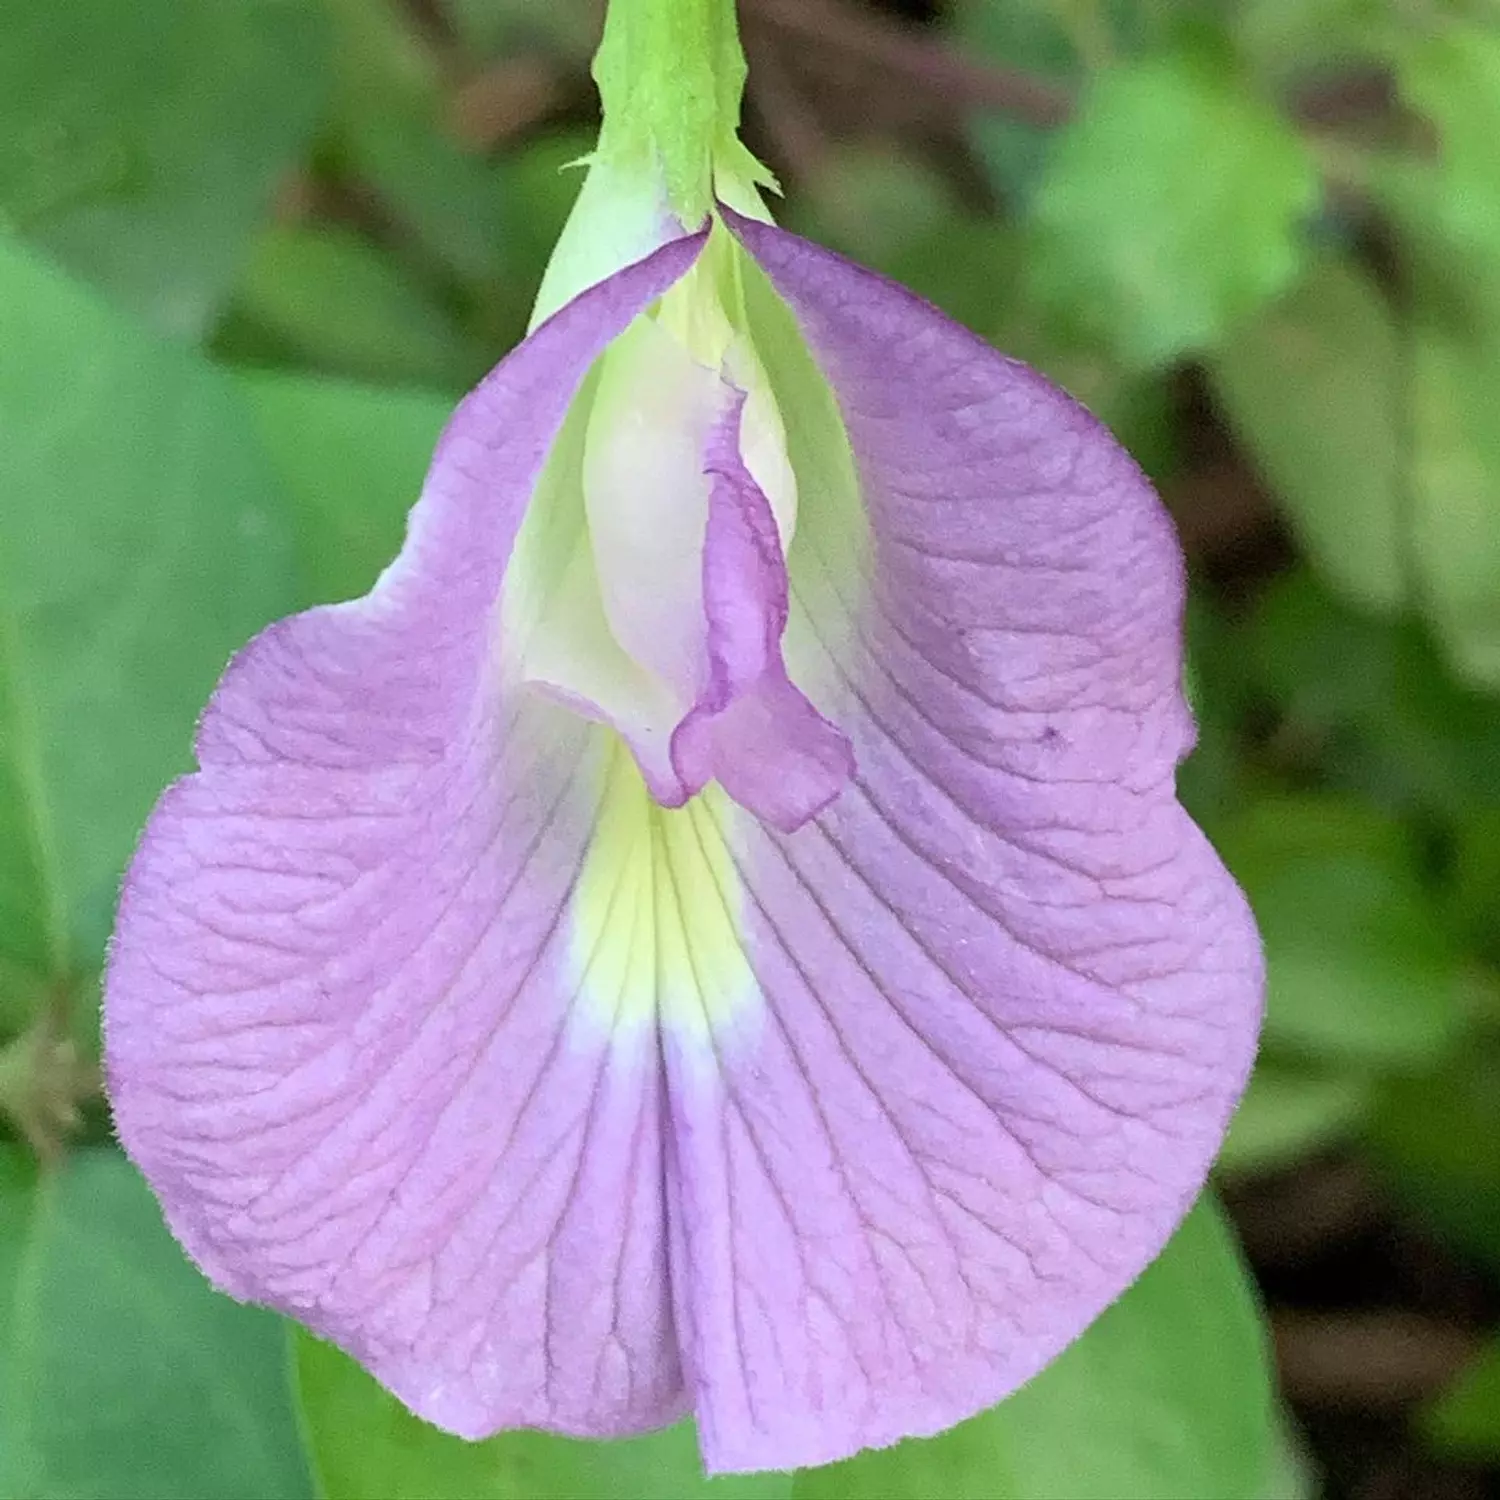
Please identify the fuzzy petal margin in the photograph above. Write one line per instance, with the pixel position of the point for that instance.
(336, 1013)
(1011, 994)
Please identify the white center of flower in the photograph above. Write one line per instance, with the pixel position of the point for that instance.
(620, 634)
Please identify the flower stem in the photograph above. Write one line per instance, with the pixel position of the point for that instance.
(671, 74)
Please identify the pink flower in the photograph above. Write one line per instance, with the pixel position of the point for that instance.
(712, 931)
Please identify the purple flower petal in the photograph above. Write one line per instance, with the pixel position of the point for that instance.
(752, 730)
(1011, 994)
(338, 1026)
(557, 1108)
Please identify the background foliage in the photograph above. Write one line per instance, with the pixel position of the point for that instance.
(251, 251)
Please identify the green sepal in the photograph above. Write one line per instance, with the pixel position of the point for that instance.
(671, 74)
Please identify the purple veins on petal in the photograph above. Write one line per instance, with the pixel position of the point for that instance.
(821, 1064)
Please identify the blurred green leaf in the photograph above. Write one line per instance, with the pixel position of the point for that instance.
(1294, 1475)
(877, 204)
(1135, 406)
(346, 307)
(367, 1446)
(1446, 203)
(1213, 781)
(1312, 387)
(1450, 72)
(33, 911)
(451, 201)
(493, 26)
(442, 199)
(1168, 1395)
(1456, 483)
(380, 52)
(1448, 212)
(140, 543)
(1291, 38)
(1321, 661)
(352, 458)
(1474, 885)
(1170, 210)
(1464, 1422)
(124, 1375)
(1437, 1138)
(1290, 1111)
(1029, 36)
(141, 142)
(1372, 702)
(969, 267)
(1359, 964)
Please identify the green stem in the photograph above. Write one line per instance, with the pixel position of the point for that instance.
(671, 75)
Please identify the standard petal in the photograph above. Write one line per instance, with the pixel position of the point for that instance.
(1009, 993)
(340, 1038)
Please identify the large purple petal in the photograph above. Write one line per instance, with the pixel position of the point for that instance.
(341, 1041)
(993, 1004)
(1011, 994)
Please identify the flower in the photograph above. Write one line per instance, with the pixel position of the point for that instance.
(712, 931)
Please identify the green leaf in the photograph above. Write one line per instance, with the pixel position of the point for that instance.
(970, 267)
(1456, 485)
(1287, 39)
(1289, 1112)
(1372, 702)
(1447, 205)
(140, 544)
(1464, 1422)
(367, 1446)
(491, 222)
(1474, 883)
(346, 307)
(390, 99)
(1359, 964)
(1451, 73)
(1167, 1395)
(1293, 1475)
(1030, 37)
(497, 27)
(452, 201)
(141, 143)
(352, 459)
(1312, 387)
(876, 204)
(1437, 1139)
(1170, 210)
(1448, 212)
(33, 918)
(124, 1375)
(380, 51)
